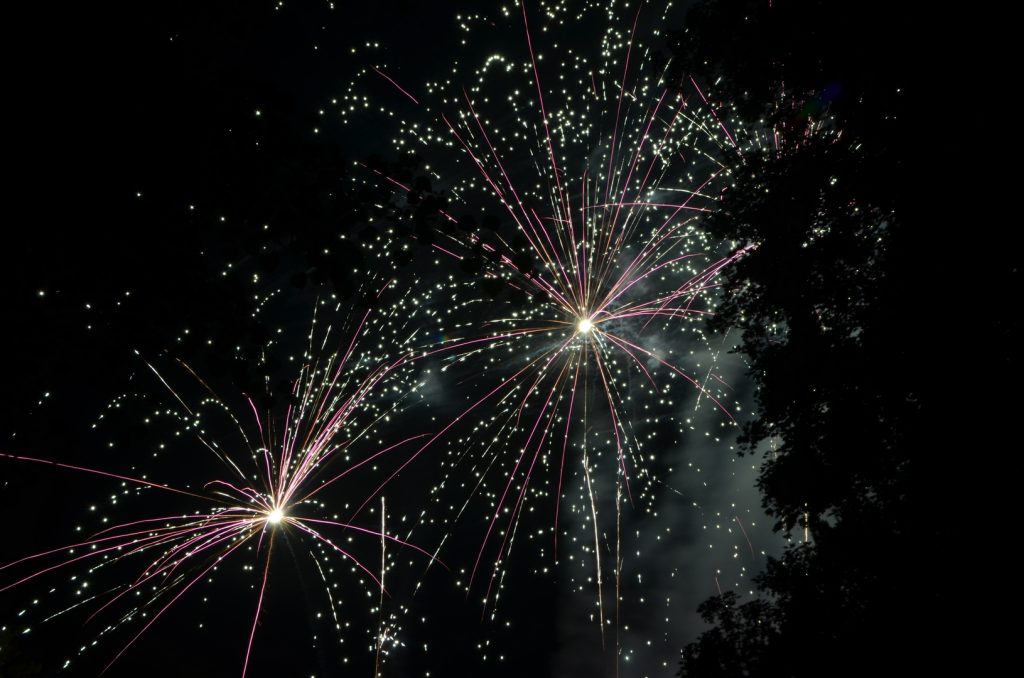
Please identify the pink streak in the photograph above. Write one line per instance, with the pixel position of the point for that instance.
(397, 86)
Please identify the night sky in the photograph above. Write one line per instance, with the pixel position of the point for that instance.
(192, 188)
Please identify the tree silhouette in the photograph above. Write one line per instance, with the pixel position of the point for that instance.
(833, 304)
(740, 642)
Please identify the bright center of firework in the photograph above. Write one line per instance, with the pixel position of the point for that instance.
(275, 516)
(584, 325)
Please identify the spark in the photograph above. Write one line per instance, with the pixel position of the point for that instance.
(339, 400)
(598, 277)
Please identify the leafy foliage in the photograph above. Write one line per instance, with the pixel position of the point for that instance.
(831, 305)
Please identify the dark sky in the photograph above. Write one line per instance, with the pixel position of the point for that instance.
(139, 173)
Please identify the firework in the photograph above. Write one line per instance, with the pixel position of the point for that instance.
(270, 492)
(557, 342)
(569, 184)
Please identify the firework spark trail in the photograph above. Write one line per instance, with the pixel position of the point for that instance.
(617, 275)
(565, 446)
(397, 86)
(544, 118)
(173, 600)
(380, 603)
(618, 108)
(436, 436)
(259, 606)
(99, 473)
(750, 545)
(618, 573)
(712, 109)
(585, 459)
(338, 403)
(512, 475)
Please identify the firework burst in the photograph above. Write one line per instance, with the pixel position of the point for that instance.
(335, 424)
(569, 184)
